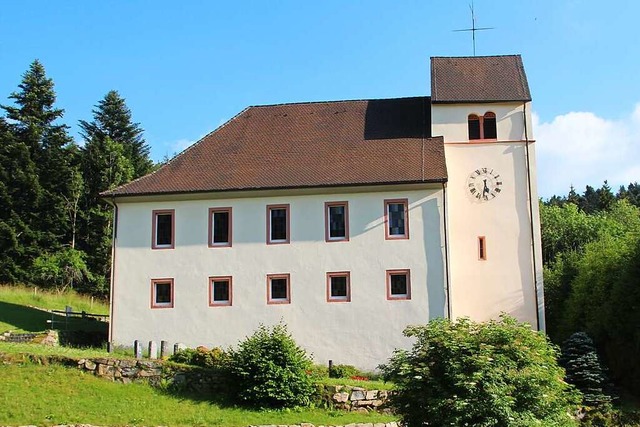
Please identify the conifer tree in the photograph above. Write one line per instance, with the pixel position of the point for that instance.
(583, 369)
(20, 194)
(33, 125)
(112, 119)
(114, 153)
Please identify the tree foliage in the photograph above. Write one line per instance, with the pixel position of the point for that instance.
(49, 187)
(498, 373)
(112, 119)
(34, 124)
(592, 276)
(269, 369)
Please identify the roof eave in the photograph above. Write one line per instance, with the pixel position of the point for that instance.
(299, 187)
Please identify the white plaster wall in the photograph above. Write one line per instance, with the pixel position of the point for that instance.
(450, 120)
(504, 282)
(362, 332)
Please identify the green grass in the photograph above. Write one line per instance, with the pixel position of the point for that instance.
(79, 353)
(50, 395)
(17, 312)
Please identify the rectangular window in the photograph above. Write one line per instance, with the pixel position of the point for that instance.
(219, 227)
(277, 224)
(278, 289)
(163, 229)
(338, 287)
(220, 291)
(336, 221)
(482, 248)
(398, 284)
(396, 219)
(162, 293)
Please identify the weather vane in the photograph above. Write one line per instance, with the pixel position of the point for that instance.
(473, 28)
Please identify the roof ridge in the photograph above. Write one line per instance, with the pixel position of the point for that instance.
(336, 101)
(477, 56)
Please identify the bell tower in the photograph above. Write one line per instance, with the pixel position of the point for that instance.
(481, 105)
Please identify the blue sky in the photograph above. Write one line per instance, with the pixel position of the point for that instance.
(186, 67)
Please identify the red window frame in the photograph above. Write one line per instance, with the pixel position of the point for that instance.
(154, 303)
(387, 234)
(482, 248)
(481, 119)
(226, 303)
(327, 222)
(286, 207)
(229, 243)
(154, 228)
(332, 274)
(398, 272)
(286, 300)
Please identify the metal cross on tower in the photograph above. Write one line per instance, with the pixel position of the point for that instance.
(473, 28)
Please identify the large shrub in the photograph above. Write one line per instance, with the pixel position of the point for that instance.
(269, 369)
(499, 373)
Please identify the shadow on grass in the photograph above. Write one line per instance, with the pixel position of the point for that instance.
(29, 319)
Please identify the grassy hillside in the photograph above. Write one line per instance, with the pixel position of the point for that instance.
(18, 310)
(50, 395)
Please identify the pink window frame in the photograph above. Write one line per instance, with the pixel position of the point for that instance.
(404, 236)
(482, 248)
(286, 300)
(154, 228)
(346, 274)
(154, 282)
(213, 303)
(327, 230)
(230, 242)
(390, 273)
(481, 121)
(288, 239)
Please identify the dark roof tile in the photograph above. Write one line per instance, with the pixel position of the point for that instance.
(306, 145)
(478, 79)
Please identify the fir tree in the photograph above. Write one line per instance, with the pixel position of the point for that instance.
(104, 166)
(573, 197)
(114, 153)
(20, 194)
(112, 119)
(605, 197)
(589, 202)
(583, 369)
(33, 124)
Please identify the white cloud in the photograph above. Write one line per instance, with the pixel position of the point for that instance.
(580, 149)
(181, 145)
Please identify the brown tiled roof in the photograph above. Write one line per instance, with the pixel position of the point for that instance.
(478, 79)
(307, 145)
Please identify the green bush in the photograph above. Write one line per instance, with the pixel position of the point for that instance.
(318, 372)
(344, 371)
(270, 370)
(499, 373)
(201, 356)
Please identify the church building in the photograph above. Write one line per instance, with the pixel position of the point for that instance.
(346, 220)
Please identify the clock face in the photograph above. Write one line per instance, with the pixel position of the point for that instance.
(484, 184)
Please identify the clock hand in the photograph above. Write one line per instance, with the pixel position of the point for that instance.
(486, 189)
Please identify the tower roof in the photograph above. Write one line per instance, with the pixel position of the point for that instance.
(473, 79)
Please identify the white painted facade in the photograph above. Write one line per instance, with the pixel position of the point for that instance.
(363, 332)
(448, 276)
(507, 280)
